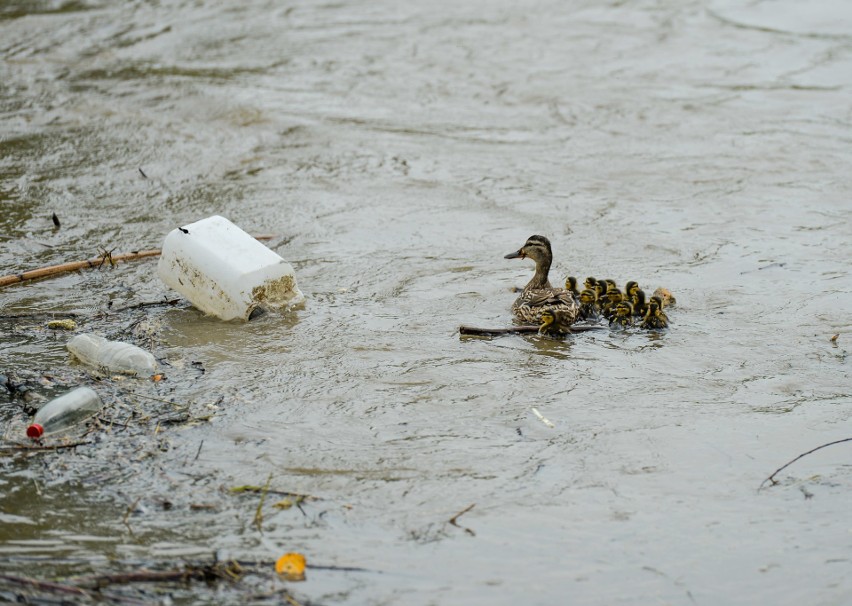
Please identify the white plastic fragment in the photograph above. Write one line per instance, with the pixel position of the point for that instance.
(114, 356)
(225, 272)
(542, 418)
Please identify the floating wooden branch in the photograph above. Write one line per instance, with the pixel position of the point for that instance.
(484, 332)
(99, 261)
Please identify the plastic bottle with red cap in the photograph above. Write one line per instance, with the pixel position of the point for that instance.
(65, 412)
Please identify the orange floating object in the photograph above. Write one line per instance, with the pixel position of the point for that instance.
(291, 566)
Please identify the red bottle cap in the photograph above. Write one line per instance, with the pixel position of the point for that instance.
(34, 431)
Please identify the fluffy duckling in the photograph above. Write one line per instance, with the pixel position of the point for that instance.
(538, 295)
(590, 283)
(655, 318)
(571, 286)
(555, 323)
(623, 315)
(600, 291)
(640, 307)
(665, 296)
(614, 296)
(630, 288)
(589, 309)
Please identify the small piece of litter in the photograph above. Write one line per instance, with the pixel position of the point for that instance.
(542, 418)
(291, 566)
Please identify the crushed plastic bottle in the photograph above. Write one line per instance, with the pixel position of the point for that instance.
(114, 356)
(64, 412)
(225, 272)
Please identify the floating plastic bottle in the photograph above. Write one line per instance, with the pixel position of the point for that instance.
(225, 272)
(64, 412)
(113, 356)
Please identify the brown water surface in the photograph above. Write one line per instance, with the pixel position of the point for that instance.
(400, 150)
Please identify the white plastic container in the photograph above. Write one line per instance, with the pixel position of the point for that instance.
(65, 412)
(114, 356)
(225, 272)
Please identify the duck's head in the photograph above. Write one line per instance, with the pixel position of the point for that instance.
(590, 282)
(638, 298)
(655, 304)
(630, 287)
(536, 248)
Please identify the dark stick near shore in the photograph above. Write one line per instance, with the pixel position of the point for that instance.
(29, 585)
(772, 479)
(38, 447)
(284, 493)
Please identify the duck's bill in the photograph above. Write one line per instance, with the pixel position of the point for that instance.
(515, 255)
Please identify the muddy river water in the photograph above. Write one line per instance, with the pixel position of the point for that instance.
(398, 150)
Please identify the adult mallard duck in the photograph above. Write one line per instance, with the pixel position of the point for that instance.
(538, 295)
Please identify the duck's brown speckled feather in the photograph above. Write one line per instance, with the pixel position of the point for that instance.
(532, 301)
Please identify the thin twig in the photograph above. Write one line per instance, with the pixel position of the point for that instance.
(771, 478)
(44, 585)
(453, 520)
(258, 514)
(283, 493)
(128, 512)
(28, 448)
(201, 572)
(66, 589)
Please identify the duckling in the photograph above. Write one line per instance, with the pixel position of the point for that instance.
(600, 290)
(614, 296)
(609, 286)
(589, 309)
(640, 307)
(538, 295)
(571, 286)
(554, 323)
(623, 315)
(630, 288)
(666, 297)
(590, 283)
(655, 319)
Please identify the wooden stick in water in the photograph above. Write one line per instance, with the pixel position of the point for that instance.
(485, 332)
(53, 270)
(472, 330)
